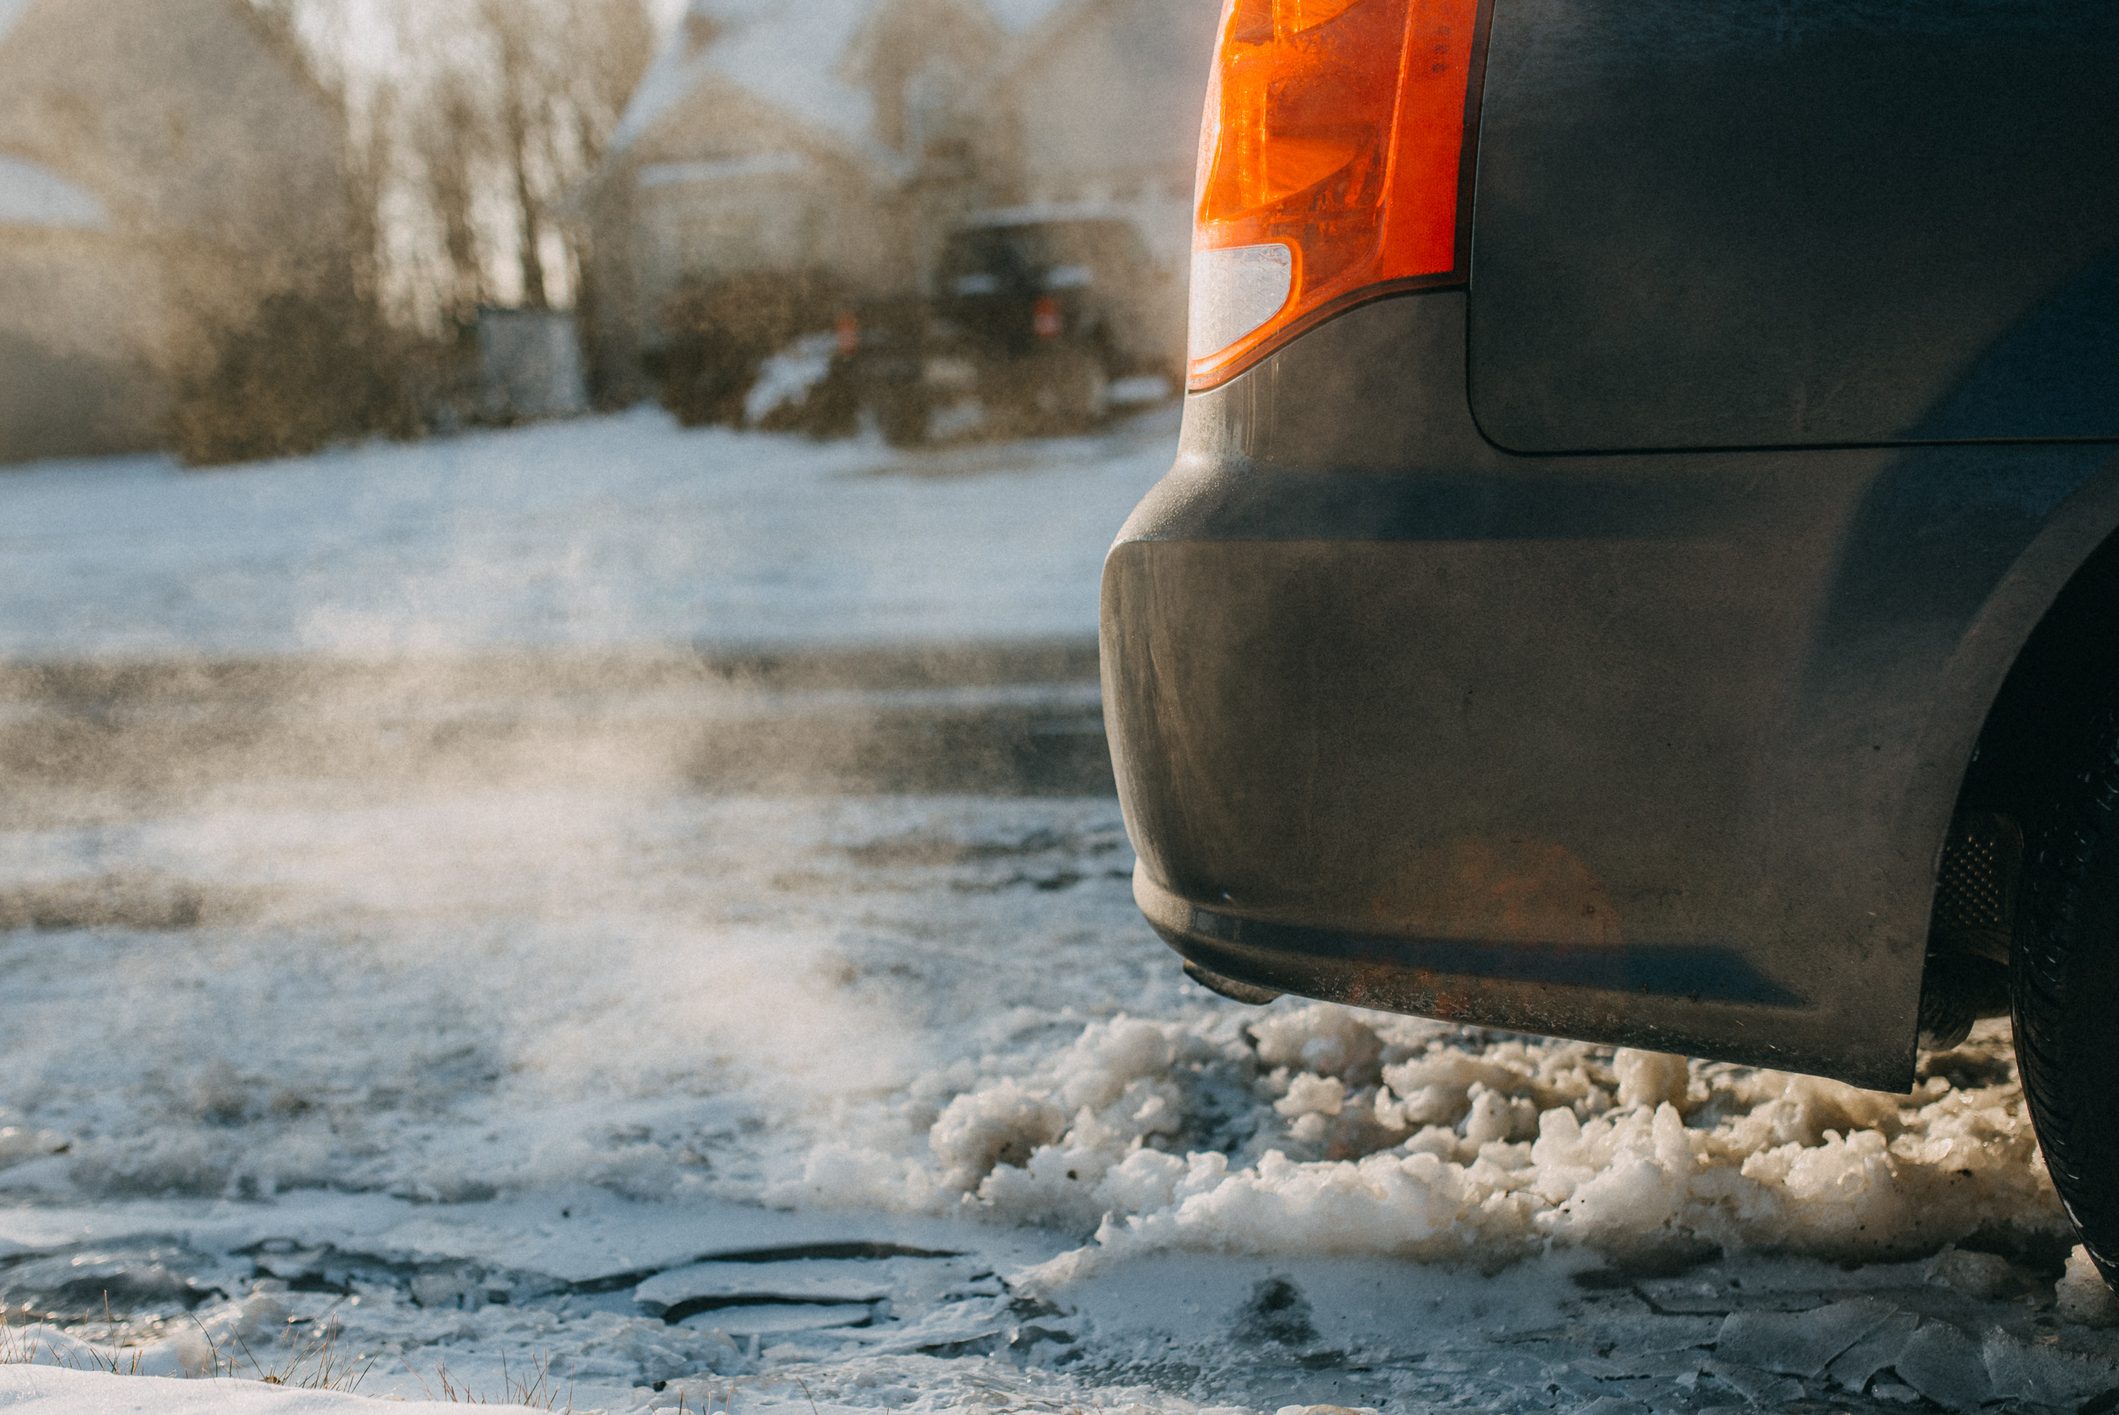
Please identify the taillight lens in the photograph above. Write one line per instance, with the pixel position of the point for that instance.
(1330, 169)
(1048, 319)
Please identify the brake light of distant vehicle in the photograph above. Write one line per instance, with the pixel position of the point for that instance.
(1331, 168)
(1047, 318)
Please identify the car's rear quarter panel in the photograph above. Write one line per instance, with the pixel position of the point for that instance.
(1600, 651)
(1720, 223)
(1641, 748)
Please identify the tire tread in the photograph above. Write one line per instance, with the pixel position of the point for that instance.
(2075, 1112)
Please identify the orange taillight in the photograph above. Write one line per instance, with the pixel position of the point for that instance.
(1331, 166)
(1048, 319)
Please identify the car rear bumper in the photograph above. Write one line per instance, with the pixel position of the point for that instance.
(1653, 750)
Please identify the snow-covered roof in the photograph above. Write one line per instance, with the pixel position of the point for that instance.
(1019, 17)
(791, 53)
(787, 52)
(34, 195)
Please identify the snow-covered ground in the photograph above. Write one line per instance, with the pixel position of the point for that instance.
(594, 533)
(477, 1021)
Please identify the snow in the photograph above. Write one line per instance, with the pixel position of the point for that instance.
(791, 53)
(544, 995)
(788, 52)
(790, 376)
(42, 1390)
(2083, 1295)
(33, 195)
(1392, 1137)
(1020, 17)
(600, 533)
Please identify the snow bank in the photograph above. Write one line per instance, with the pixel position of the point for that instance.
(46, 1390)
(788, 378)
(1321, 1130)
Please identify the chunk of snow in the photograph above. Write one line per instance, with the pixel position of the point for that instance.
(790, 376)
(2023, 1367)
(818, 1280)
(1389, 1136)
(1874, 1354)
(1650, 1079)
(986, 1129)
(782, 1319)
(1945, 1365)
(1799, 1343)
(1981, 1275)
(2082, 1295)
(1756, 1386)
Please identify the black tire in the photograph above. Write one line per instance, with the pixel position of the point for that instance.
(1069, 392)
(2064, 986)
(906, 416)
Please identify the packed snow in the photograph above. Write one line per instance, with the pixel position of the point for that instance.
(490, 1020)
(1377, 1135)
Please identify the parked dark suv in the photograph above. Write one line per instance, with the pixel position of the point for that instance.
(1641, 564)
(1051, 304)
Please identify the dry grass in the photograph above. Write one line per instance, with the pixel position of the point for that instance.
(315, 1364)
(20, 1349)
(535, 1388)
(721, 1400)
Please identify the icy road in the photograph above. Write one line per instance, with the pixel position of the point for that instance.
(621, 918)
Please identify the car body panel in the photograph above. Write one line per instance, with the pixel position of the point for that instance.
(1649, 748)
(1717, 223)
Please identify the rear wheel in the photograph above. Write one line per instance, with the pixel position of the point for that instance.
(1068, 391)
(2064, 984)
(906, 416)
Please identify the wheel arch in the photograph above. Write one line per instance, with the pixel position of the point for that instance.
(2034, 665)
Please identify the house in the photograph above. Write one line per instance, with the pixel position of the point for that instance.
(845, 137)
(163, 164)
(1103, 101)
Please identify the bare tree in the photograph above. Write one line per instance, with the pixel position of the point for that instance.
(467, 130)
(455, 142)
(563, 73)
